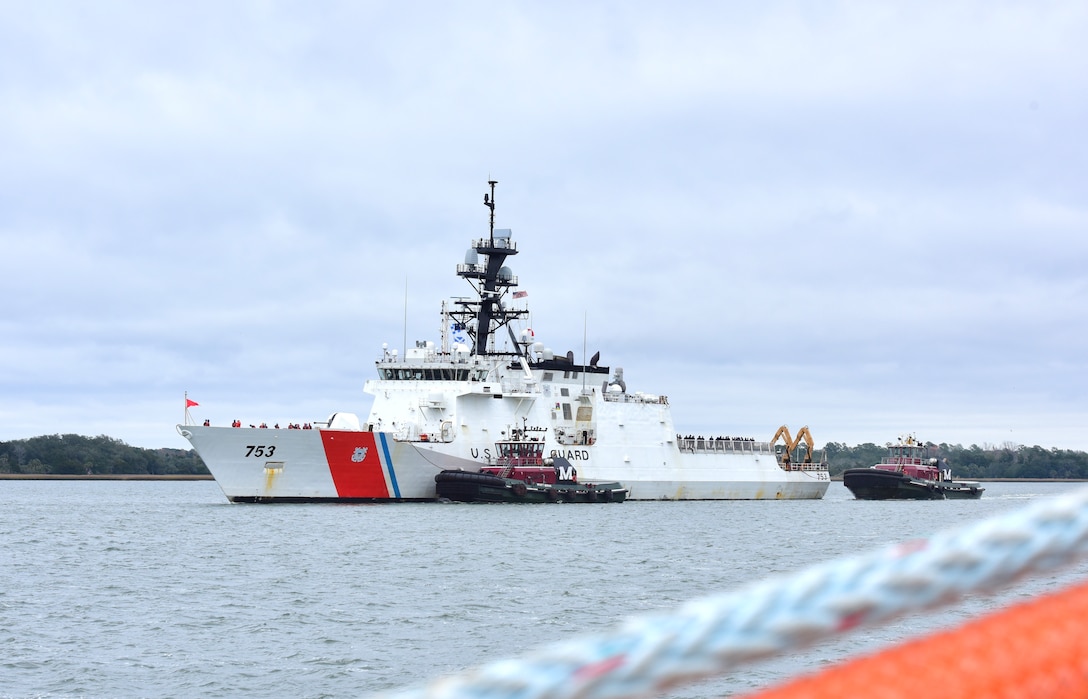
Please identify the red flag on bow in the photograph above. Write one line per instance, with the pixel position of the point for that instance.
(189, 402)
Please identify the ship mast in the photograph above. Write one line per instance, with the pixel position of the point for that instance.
(491, 205)
(494, 279)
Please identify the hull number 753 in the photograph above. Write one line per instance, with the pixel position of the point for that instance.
(260, 450)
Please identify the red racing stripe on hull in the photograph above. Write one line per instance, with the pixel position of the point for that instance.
(355, 464)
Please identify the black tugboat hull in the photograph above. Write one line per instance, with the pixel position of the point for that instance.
(876, 484)
(466, 486)
(957, 490)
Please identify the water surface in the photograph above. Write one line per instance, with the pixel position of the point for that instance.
(124, 589)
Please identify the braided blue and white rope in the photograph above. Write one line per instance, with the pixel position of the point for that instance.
(710, 636)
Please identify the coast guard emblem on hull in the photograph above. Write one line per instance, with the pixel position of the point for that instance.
(359, 454)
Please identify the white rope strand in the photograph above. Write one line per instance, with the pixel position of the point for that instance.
(710, 636)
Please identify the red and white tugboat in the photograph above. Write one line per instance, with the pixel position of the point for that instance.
(909, 472)
(521, 474)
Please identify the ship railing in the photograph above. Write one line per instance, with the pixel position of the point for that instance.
(480, 271)
(509, 386)
(635, 398)
(802, 465)
(723, 445)
(431, 357)
(471, 269)
(903, 461)
(519, 461)
(496, 243)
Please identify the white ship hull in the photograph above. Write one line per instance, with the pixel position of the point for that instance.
(445, 407)
(321, 465)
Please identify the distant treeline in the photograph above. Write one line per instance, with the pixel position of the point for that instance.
(1006, 461)
(72, 454)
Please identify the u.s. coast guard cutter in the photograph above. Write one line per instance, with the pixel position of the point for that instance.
(444, 407)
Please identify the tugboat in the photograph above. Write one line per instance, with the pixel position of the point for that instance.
(909, 473)
(522, 474)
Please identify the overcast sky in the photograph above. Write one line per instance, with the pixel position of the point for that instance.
(869, 218)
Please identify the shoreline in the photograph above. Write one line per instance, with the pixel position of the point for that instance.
(103, 477)
(838, 479)
(209, 477)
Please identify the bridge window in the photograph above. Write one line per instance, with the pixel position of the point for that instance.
(430, 374)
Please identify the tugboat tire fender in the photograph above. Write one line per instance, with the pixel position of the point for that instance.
(519, 490)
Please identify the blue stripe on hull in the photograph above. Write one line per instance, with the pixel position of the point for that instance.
(389, 465)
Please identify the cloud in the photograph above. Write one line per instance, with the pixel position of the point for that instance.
(853, 217)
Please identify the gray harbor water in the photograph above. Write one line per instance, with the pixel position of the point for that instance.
(163, 589)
